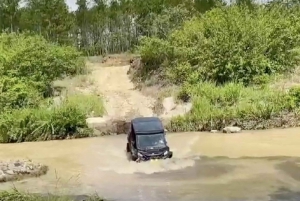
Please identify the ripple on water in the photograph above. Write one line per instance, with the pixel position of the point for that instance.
(149, 167)
(102, 167)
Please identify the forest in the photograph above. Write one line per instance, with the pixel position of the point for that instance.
(100, 27)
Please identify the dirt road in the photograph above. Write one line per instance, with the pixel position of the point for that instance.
(121, 99)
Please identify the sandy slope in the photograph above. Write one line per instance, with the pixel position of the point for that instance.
(121, 99)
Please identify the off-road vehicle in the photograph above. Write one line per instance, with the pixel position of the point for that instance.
(146, 140)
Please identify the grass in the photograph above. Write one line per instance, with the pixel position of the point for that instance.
(91, 104)
(22, 196)
(70, 84)
(285, 82)
(234, 104)
(82, 92)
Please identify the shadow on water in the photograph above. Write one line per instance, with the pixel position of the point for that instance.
(284, 194)
(281, 194)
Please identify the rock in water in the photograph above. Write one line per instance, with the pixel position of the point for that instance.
(18, 169)
(232, 129)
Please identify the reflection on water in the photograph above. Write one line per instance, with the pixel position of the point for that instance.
(247, 166)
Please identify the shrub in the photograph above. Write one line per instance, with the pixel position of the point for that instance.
(32, 58)
(92, 105)
(20, 196)
(227, 43)
(28, 66)
(154, 52)
(160, 25)
(217, 106)
(43, 124)
(17, 93)
(223, 60)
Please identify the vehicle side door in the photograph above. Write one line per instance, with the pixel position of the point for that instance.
(133, 143)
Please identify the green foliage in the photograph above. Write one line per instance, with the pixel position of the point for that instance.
(17, 93)
(32, 57)
(28, 67)
(66, 121)
(152, 59)
(49, 18)
(224, 60)
(31, 62)
(20, 196)
(170, 18)
(92, 105)
(217, 106)
(55, 22)
(294, 97)
(226, 44)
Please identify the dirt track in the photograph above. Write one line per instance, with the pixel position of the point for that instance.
(121, 99)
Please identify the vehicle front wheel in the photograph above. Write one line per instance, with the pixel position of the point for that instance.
(127, 147)
(170, 154)
(134, 158)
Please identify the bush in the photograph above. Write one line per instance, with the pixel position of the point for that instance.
(19, 196)
(92, 105)
(36, 124)
(17, 93)
(227, 43)
(223, 61)
(160, 25)
(28, 66)
(33, 59)
(215, 107)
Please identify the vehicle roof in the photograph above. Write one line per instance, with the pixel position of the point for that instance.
(147, 125)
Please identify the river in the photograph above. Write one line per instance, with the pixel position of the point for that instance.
(258, 165)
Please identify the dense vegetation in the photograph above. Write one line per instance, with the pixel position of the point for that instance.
(28, 66)
(225, 60)
(222, 57)
(99, 26)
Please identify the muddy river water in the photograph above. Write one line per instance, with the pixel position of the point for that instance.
(260, 165)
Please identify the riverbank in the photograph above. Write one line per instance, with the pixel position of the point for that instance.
(229, 82)
(21, 196)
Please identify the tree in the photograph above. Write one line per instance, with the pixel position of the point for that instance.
(51, 19)
(81, 15)
(9, 15)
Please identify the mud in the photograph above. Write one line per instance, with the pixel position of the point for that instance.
(261, 165)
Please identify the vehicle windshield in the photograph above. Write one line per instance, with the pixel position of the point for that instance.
(154, 140)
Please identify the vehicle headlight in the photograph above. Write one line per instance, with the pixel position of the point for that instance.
(165, 153)
(139, 154)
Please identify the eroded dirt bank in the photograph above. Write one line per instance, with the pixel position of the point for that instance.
(123, 101)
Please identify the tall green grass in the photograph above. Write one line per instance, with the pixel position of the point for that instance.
(91, 104)
(21, 196)
(232, 104)
(28, 67)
